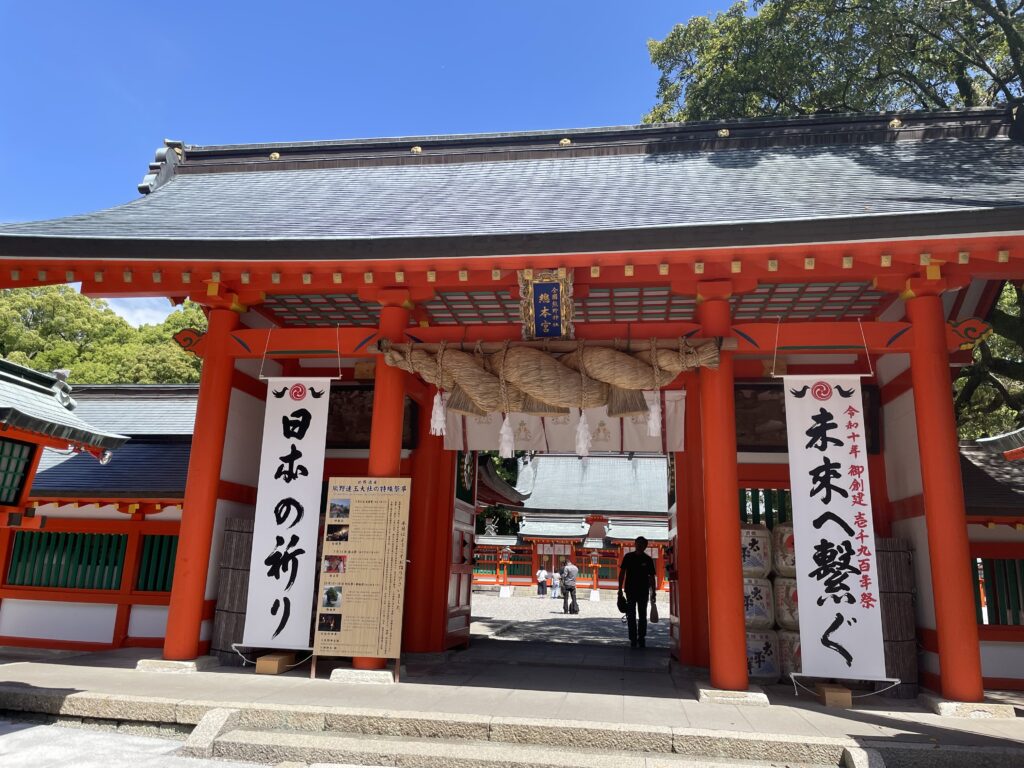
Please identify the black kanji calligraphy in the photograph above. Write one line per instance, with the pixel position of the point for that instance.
(284, 560)
(828, 642)
(286, 508)
(286, 613)
(823, 424)
(822, 477)
(296, 424)
(834, 568)
(832, 517)
(290, 470)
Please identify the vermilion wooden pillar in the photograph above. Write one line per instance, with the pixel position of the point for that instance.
(422, 623)
(696, 541)
(388, 411)
(948, 546)
(191, 565)
(726, 630)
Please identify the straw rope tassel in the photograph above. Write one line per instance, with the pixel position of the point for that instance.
(506, 438)
(583, 439)
(654, 412)
(438, 417)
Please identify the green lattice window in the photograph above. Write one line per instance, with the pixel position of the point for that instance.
(765, 505)
(15, 459)
(1001, 584)
(156, 563)
(68, 560)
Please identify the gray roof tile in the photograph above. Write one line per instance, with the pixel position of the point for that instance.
(598, 483)
(139, 469)
(140, 409)
(580, 194)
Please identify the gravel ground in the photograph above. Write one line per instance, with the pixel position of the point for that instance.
(528, 617)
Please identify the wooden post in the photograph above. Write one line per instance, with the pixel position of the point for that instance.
(727, 633)
(948, 547)
(388, 411)
(192, 562)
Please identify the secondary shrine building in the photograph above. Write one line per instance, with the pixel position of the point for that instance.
(633, 291)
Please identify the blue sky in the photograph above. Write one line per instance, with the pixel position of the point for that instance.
(90, 90)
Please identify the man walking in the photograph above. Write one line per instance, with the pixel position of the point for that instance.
(637, 576)
(569, 574)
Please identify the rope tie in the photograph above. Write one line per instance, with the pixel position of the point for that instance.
(440, 363)
(654, 365)
(503, 385)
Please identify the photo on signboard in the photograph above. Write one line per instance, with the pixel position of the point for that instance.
(337, 533)
(334, 563)
(331, 597)
(339, 509)
(329, 622)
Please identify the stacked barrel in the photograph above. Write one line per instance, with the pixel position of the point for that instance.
(763, 662)
(232, 590)
(894, 561)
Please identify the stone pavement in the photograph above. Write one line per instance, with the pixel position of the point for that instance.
(531, 618)
(614, 696)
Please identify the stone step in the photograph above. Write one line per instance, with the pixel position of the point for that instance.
(272, 747)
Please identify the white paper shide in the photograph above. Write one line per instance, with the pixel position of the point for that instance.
(840, 616)
(282, 567)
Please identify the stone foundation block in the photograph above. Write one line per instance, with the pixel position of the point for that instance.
(177, 667)
(754, 696)
(740, 745)
(972, 710)
(111, 706)
(214, 723)
(363, 676)
(292, 717)
(381, 722)
(582, 735)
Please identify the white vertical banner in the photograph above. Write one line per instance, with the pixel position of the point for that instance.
(840, 617)
(282, 566)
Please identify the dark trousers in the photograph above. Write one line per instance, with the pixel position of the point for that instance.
(636, 606)
(542, 587)
(566, 603)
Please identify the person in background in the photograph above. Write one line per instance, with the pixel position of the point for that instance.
(542, 582)
(637, 577)
(569, 574)
(554, 584)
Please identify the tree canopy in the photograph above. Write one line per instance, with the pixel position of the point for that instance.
(54, 327)
(796, 57)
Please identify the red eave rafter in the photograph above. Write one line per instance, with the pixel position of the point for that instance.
(211, 281)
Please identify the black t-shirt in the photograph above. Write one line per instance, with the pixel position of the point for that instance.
(639, 568)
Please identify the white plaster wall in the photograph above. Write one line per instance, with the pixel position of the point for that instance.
(51, 620)
(762, 458)
(172, 512)
(929, 662)
(252, 367)
(205, 631)
(902, 461)
(148, 621)
(1002, 659)
(888, 367)
(243, 439)
(915, 531)
(82, 511)
(998, 533)
(225, 509)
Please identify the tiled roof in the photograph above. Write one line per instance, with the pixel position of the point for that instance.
(565, 195)
(41, 403)
(628, 529)
(138, 470)
(553, 527)
(993, 486)
(140, 409)
(598, 483)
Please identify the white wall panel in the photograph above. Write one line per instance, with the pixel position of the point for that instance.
(902, 460)
(1002, 659)
(148, 621)
(997, 533)
(243, 439)
(84, 622)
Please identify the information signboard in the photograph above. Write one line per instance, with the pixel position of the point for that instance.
(362, 567)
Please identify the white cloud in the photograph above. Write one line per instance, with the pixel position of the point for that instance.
(142, 311)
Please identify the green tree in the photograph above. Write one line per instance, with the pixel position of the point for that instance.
(53, 327)
(797, 57)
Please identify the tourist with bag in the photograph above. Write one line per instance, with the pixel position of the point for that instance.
(637, 585)
(569, 575)
(542, 582)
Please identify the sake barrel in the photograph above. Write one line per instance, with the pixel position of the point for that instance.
(789, 652)
(756, 547)
(784, 554)
(763, 656)
(787, 614)
(758, 605)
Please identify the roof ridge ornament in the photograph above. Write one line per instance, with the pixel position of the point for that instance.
(162, 168)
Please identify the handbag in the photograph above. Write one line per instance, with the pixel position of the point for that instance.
(654, 613)
(623, 607)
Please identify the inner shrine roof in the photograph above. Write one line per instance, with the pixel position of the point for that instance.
(679, 185)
